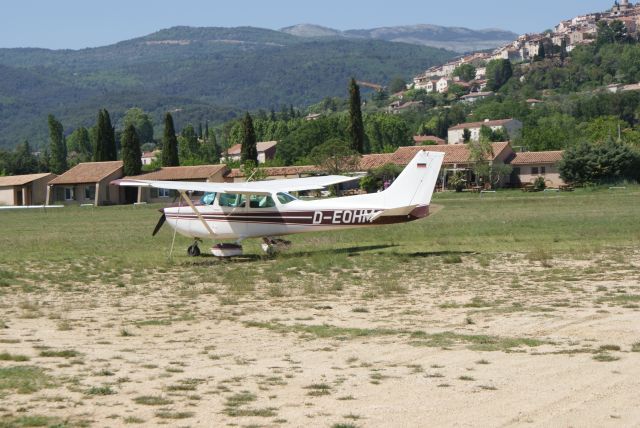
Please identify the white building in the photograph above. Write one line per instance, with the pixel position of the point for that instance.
(442, 86)
(513, 128)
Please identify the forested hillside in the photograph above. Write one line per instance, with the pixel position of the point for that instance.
(198, 73)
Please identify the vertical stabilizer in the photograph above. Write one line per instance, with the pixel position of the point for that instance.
(417, 182)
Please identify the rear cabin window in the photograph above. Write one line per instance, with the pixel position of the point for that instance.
(231, 200)
(261, 201)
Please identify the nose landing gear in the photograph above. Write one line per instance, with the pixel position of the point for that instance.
(193, 250)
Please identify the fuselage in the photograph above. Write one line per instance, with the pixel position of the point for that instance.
(231, 216)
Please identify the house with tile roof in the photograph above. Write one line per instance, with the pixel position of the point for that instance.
(266, 151)
(528, 166)
(88, 183)
(23, 190)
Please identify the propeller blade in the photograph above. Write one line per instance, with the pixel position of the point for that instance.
(161, 221)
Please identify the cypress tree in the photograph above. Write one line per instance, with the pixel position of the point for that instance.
(131, 153)
(356, 126)
(249, 150)
(105, 139)
(58, 161)
(169, 143)
(210, 149)
(112, 151)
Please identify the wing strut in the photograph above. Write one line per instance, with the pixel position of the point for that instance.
(195, 210)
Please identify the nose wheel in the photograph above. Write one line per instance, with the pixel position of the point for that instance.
(193, 250)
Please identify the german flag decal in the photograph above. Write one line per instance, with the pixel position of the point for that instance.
(422, 165)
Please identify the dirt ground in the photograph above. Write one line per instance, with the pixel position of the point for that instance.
(508, 342)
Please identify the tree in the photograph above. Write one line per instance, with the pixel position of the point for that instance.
(80, 144)
(485, 170)
(169, 143)
(188, 146)
(335, 156)
(385, 132)
(24, 162)
(131, 153)
(398, 84)
(375, 179)
(499, 71)
(465, 72)
(249, 150)
(144, 126)
(541, 52)
(105, 139)
(210, 148)
(466, 135)
(356, 126)
(588, 163)
(57, 145)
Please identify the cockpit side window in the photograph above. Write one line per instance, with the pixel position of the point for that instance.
(231, 200)
(285, 198)
(208, 198)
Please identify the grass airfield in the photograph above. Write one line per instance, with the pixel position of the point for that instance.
(507, 309)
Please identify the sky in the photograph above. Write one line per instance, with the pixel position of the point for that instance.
(76, 24)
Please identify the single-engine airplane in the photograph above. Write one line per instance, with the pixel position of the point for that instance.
(266, 209)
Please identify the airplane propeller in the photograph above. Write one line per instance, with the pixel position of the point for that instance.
(161, 221)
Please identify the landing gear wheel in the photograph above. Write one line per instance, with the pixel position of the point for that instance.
(193, 250)
(272, 246)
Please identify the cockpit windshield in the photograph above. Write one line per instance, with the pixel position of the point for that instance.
(285, 198)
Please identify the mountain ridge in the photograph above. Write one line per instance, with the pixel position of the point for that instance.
(458, 39)
(206, 73)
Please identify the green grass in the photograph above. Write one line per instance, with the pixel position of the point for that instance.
(67, 353)
(32, 421)
(115, 239)
(5, 356)
(152, 400)
(24, 379)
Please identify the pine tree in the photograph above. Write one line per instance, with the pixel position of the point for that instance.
(24, 161)
(356, 126)
(131, 153)
(249, 150)
(58, 162)
(541, 52)
(169, 143)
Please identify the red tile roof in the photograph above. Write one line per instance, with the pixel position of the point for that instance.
(373, 161)
(184, 173)
(533, 158)
(454, 153)
(489, 123)
(419, 139)
(21, 180)
(88, 172)
(278, 171)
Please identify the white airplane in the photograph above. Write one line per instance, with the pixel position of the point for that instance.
(266, 209)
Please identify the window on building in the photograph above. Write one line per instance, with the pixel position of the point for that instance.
(164, 193)
(90, 192)
(68, 193)
(534, 170)
(543, 170)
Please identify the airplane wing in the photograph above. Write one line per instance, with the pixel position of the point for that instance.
(252, 187)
